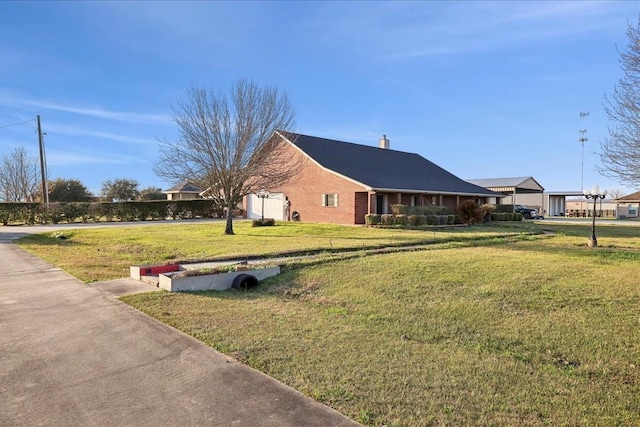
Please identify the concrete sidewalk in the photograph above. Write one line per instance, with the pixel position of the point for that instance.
(72, 354)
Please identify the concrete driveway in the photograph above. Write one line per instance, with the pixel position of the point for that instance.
(72, 354)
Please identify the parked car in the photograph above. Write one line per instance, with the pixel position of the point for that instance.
(527, 213)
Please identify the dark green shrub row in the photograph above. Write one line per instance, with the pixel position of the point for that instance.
(32, 213)
(504, 209)
(418, 210)
(267, 222)
(506, 216)
(410, 220)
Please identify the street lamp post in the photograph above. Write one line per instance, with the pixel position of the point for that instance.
(263, 194)
(594, 194)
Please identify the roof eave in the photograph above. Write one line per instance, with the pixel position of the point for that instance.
(448, 193)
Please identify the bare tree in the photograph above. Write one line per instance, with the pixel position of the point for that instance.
(19, 176)
(616, 193)
(227, 145)
(621, 150)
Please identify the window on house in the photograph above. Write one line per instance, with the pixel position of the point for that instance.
(414, 200)
(330, 200)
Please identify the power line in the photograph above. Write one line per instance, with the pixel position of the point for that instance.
(17, 124)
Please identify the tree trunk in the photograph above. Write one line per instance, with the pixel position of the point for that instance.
(229, 228)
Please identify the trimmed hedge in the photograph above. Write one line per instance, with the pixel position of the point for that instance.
(387, 219)
(400, 219)
(32, 213)
(372, 219)
(418, 210)
(267, 222)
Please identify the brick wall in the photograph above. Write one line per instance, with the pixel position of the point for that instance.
(305, 194)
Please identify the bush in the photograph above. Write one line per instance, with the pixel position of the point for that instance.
(56, 212)
(418, 210)
(412, 220)
(433, 220)
(421, 220)
(469, 212)
(267, 222)
(442, 219)
(451, 219)
(518, 216)
(372, 219)
(387, 219)
(400, 219)
(399, 209)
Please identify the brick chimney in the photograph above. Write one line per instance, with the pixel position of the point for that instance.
(384, 142)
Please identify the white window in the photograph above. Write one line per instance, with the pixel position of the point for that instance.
(330, 200)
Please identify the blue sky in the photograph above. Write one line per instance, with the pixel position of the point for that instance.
(483, 89)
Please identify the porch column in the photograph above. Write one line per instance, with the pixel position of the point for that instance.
(373, 207)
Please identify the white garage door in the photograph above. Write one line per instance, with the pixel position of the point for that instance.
(273, 206)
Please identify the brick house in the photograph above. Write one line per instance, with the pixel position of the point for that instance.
(183, 191)
(341, 182)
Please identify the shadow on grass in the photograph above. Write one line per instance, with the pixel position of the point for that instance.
(59, 238)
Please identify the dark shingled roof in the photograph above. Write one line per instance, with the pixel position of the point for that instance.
(383, 169)
(184, 187)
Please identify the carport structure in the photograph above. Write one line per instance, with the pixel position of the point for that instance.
(517, 191)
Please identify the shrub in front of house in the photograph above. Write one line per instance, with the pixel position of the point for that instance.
(400, 219)
(433, 220)
(451, 219)
(267, 222)
(386, 219)
(412, 220)
(418, 210)
(399, 209)
(372, 219)
(442, 219)
(518, 216)
(421, 220)
(509, 216)
(469, 212)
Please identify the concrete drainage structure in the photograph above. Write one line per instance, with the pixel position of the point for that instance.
(170, 280)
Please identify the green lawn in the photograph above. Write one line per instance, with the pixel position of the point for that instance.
(471, 329)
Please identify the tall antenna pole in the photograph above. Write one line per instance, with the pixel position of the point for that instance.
(582, 140)
(43, 168)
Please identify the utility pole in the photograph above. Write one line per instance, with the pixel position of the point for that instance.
(582, 140)
(43, 165)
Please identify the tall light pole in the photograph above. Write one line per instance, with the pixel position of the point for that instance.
(263, 194)
(594, 194)
(582, 140)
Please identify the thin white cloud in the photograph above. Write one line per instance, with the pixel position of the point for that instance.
(100, 112)
(53, 129)
(57, 158)
(391, 31)
(10, 98)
